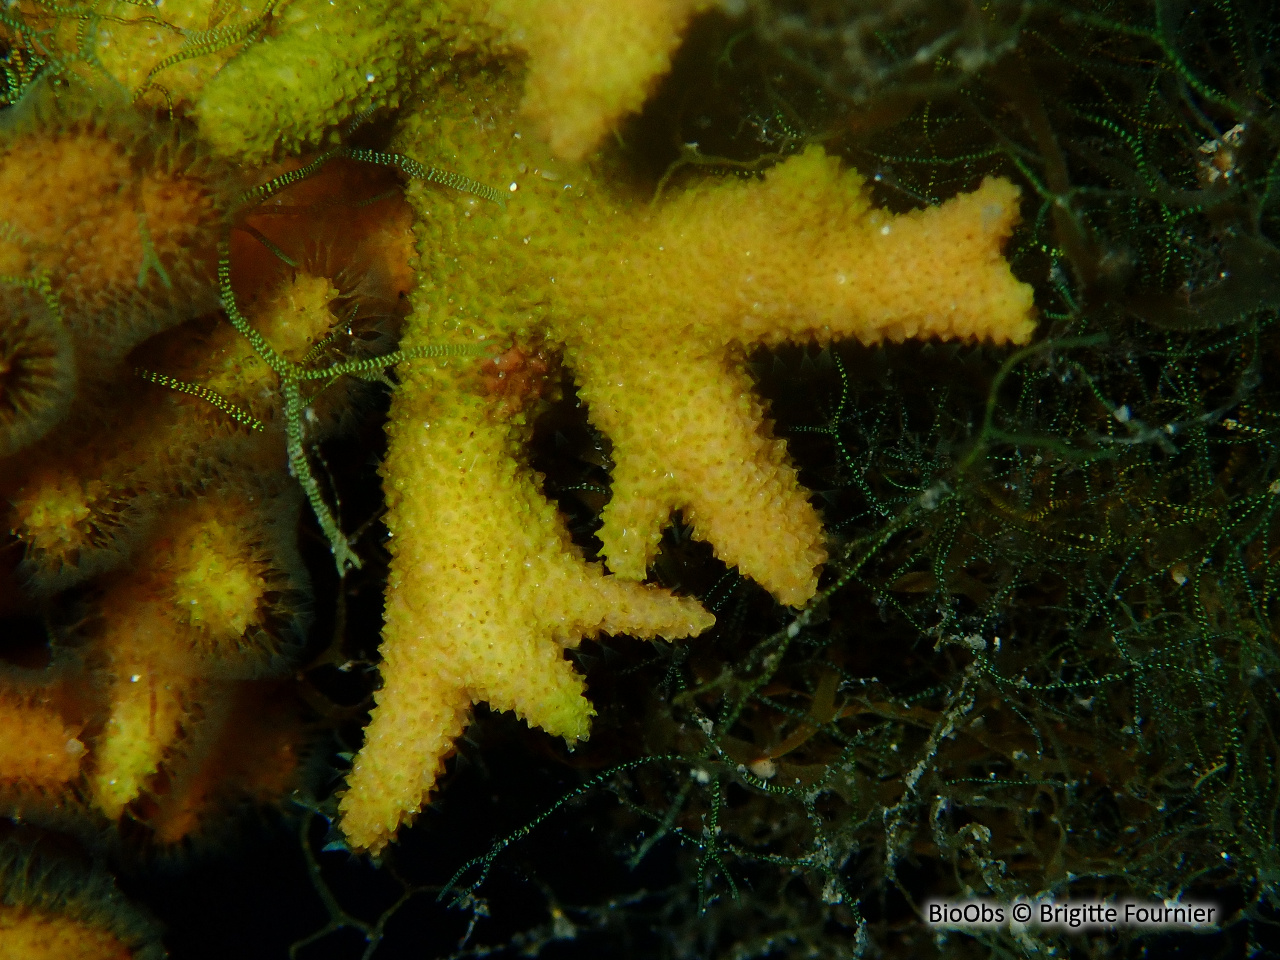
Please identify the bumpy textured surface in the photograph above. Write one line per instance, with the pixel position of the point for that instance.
(37, 367)
(27, 934)
(200, 606)
(591, 63)
(160, 54)
(487, 591)
(319, 65)
(121, 218)
(171, 518)
(653, 309)
(156, 449)
(39, 749)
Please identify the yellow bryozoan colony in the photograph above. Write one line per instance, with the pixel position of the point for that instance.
(653, 308)
(651, 305)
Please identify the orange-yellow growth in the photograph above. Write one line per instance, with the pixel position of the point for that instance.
(123, 218)
(53, 909)
(202, 604)
(488, 591)
(39, 749)
(71, 527)
(655, 324)
(160, 54)
(27, 933)
(591, 63)
(653, 308)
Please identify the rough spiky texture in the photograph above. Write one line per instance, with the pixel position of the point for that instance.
(51, 909)
(724, 267)
(37, 367)
(214, 598)
(158, 499)
(590, 63)
(488, 591)
(165, 443)
(320, 66)
(164, 55)
(122, 217)
(72, 525)
(39, 750)
(309, 66)
(654, 308)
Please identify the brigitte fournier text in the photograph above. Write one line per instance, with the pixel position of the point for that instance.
(1074, 914)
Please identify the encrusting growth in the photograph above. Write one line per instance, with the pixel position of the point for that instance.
(311, 64)
(40, 751)
(651, 306)
(215, 599)
(172, 510)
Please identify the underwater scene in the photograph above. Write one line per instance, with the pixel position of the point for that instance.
(662, 479)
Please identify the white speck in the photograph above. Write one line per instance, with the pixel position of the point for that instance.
(369, 78)
(764, 768)
(135, 678)
(514, 186)
(884, 231)
(1122, 413)
(793, 630)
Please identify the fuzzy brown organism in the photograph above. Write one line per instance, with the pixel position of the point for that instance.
(120, 211)
(37, 367)
(54, 907)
